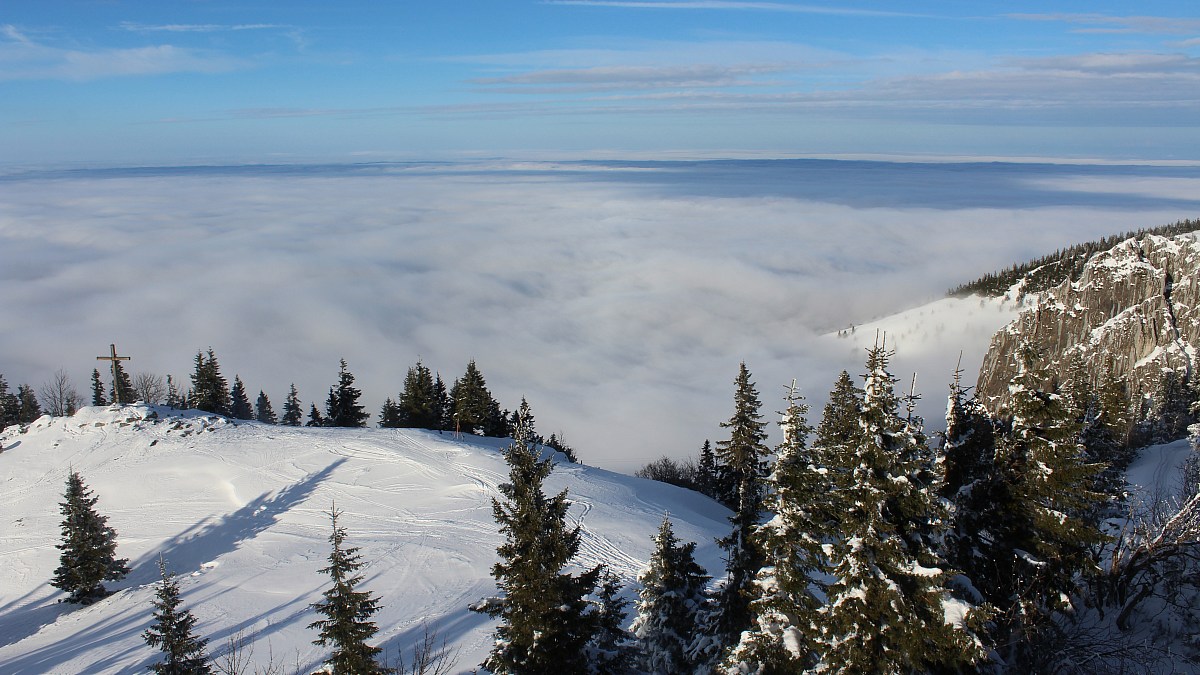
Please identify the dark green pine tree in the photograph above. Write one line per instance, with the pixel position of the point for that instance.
(706, 470)
(89, 547)
(545, 625)
(342, 408)
(239, 401)
(443, 404)
(474, 407)
(390, 416)
(1038, 515)
(670, 604)
(293, 412)
(125, 385)
(210, 391)
(886, 609)
(10, 406)
(28, 408)
(611, 650)
(418, 402)
(174, 398)
(315, 418)
(969, 442)
(263, 410)
(172, 633)
(98, 397)
(742, 463)
(783, 638)
(347, 625)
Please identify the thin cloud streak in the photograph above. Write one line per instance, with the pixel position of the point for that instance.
(1154, 25)
(733, 5)
(200, 28)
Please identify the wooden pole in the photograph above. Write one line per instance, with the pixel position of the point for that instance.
(114, 358)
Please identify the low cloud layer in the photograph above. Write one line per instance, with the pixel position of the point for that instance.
(618, 298)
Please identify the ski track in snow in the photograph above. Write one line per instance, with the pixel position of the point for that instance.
(239, 511)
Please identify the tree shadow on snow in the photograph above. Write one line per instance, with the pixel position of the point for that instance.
(208, 540)
(203, 542)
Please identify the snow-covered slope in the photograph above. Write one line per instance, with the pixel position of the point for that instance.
(238, 510)
(928, 341)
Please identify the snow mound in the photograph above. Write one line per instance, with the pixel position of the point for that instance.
(238, 509)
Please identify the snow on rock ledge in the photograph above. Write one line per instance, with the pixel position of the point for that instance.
(1135, 310)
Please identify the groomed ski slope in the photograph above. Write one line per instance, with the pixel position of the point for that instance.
(239, 512)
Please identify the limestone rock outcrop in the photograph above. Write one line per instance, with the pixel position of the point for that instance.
(1134, 310)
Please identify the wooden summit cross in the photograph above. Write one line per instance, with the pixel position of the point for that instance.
(114, 358)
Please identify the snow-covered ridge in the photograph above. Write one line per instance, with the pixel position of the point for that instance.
(238, 510)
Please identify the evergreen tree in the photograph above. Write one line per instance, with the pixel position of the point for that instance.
(239, 401)
(98, 397)
(210, 391)
(88, 548)
(969, 442)
(390, 416)
(742, 461)
(292, 410)
(544, 626)
(263, 411)
(418, 402)
(172, 632)
(343, 409)
(783, 638)
(443, 404)
(315, 419)
(670, 605)
(1037, 515)
(10, 406)
(28, 408)
(347, 625)
(474, 408)
(886, 606)
(125, 393)
(611, 650)
(706, 470)
(174, 398)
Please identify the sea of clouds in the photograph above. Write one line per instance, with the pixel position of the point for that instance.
(618, 297)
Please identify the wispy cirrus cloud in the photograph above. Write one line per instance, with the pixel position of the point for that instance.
(633, 77)
(1103, 23)
(22, 58)
(731, 5)
(199, 27)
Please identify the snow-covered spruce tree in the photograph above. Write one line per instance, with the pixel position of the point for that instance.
(783, 638)
(887, 606)
(670, 604)
(545, 625)
(172, 633)
(342, 409)
(263, 410)
(210, 391)
(174, 398)
(239, 401)
(347, 625)
(611, 650)
(742, 462)
(418, 401)
(89, 547)
(98, 397)
(293, 412)
(1038, 513)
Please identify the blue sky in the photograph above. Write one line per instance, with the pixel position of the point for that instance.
(163, 82)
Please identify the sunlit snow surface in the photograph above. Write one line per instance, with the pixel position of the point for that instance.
(238, 510)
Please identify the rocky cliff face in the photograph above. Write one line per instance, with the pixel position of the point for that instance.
(1134, 310)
